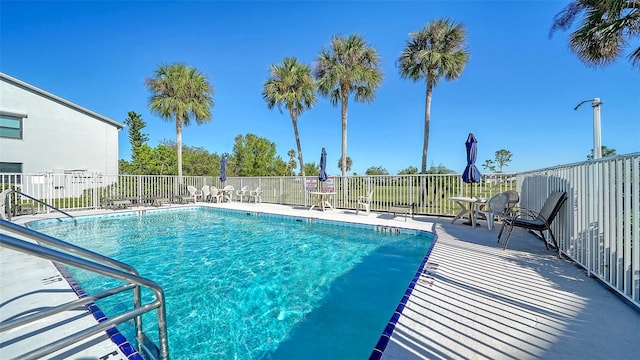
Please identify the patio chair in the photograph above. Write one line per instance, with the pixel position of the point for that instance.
(514, 199)
(497, 206)
(206, 193)
(364, 202)
(532, 220)
(243, 193)
(227, 193)
(214, 194)
(256, 194)
(116, 203)
(193, 194)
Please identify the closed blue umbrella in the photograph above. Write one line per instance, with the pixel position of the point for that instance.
(223, 168)
(471, 173)
(323, 166)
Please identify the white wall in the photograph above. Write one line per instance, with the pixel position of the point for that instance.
(57, 135)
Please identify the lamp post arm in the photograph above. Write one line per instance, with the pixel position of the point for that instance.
(595, 104)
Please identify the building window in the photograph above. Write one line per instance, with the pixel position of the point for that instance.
(10, 172)
(10, 127)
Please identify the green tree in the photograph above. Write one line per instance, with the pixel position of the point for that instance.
(440, 169)
(312, 169)
(291, 165)
(291, 85)
(124, 167)
(199, 162)
(256, 156)
(349, 163)
(502, 159)
(348, 66)
(433, 52)
(143, 160)
(607, 27)
(180, 92)
(165, 159)
(408, 171)
(606, 152)
(489, 165)
(135, 125)
(376, 170)
(137, 139)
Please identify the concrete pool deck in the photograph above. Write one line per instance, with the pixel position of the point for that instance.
(476, 302)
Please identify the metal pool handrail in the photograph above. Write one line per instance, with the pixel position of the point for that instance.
(60, 244)
(134, 281)
(39, 202)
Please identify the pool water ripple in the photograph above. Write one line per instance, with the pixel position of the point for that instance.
(255, 287)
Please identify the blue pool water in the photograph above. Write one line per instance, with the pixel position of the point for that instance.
(240, 286)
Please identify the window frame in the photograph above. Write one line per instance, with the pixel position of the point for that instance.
(12, 115)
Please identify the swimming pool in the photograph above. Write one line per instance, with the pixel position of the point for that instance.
(241, 286)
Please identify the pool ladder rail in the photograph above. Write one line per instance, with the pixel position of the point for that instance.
(7, 202)
(13, 236)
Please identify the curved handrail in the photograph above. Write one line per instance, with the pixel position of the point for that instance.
(60, 244)
(38, 201)
(68, 259)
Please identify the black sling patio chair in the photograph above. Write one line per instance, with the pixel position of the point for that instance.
(532, 220)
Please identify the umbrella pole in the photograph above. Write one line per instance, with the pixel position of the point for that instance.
(470, 222)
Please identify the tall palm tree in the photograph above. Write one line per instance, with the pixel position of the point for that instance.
(291, 84)
(605, 29)
(349, 65)
(435, 51)
(349, 163)
(182, 93)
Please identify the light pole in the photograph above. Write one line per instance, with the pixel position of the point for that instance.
(597, 147)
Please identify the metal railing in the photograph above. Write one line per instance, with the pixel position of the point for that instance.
(599, 226)
(8, 205)
(428, 192)
(96, 263)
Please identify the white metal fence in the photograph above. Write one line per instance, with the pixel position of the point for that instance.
(598, 227)
(429, 194)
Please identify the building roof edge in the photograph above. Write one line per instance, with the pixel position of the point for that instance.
(60, 100)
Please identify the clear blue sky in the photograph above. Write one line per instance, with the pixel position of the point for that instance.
(517, 92)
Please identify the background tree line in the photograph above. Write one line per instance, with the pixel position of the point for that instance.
(252, 156)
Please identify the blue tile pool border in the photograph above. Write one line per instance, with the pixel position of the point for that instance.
(114, 334)
(382, 343)
(391, 324)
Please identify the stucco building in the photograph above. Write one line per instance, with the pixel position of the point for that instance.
(41, 133)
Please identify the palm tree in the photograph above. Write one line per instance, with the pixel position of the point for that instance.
(349, 65)
(291, 84)
(181, 92)
(349, 163)
(605, 29)
(433, 52)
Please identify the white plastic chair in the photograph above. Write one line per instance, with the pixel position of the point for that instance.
(193, 194)
(227, 193)
(214, 194)
(495, 207)
(256, 194)
(364, 202)
(243, 193)
(206, 193)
